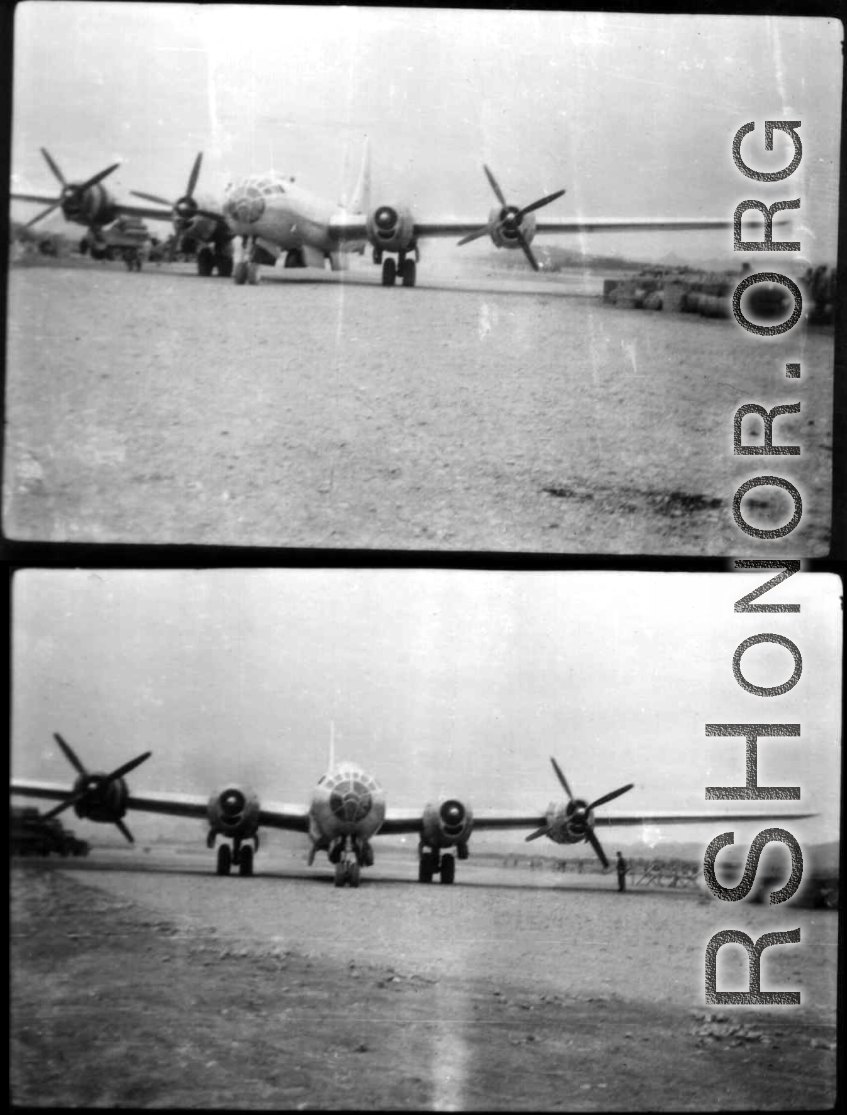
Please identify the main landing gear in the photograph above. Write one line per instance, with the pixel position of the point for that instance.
(430, 863)
(240, 855)
(208, 259)
(403, 268)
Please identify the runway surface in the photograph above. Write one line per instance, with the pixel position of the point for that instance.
(474, 413)
(559, 935)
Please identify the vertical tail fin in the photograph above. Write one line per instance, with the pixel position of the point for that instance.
(361, 199)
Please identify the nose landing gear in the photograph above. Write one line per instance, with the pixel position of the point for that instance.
(246, 269)
(349, 858)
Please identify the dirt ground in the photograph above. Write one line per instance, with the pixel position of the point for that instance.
(117, 1002)
(507, 415)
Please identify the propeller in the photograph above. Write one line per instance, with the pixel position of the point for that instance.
(91, 790)
(578, 814)
(71, 195)
(185, 208)
(510, 219)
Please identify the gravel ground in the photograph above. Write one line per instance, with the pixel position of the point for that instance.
(181, 989)
(481, 415)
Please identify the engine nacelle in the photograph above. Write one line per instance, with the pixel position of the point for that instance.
(446, 823)
(569, 824)
(233, 812)
(391, 228)
(504, 225)
(103, 801)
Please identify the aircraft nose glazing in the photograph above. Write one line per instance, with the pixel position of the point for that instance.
(245, 204)
(350, 801)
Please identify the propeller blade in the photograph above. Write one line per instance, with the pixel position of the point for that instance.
(538, 832)
(125, 831)
(539, 204)
(57, 809)
(98, 177)
(595, 844)
(494, 186)
(53, 166)
(195, 174)
(473, 236)
(561, 777)
(127, 767)
(611, 796)
(527, 251)
(42, 214)
(70, 756)
(152, 197)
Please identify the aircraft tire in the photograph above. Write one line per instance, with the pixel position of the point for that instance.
(224, 264)
(389, 271)
(448, 869)
(340, 874)
(224, 859)
(245, 861)
(425, 868)
(205, 262)
(240, 274)
(409, 273)
(253, 274)
(354, 875)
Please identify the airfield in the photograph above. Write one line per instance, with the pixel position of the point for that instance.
(479, 411)
(141, 978)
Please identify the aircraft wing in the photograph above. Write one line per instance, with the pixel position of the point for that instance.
(399, 821)
(146, 211)
(635, 818)
(35, 197)
(52, 791)
(345, 226)
(286, 816)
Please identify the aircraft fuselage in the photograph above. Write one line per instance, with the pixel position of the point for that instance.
(347, 804)
(274, 209)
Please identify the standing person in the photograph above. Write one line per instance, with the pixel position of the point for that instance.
(621, 867)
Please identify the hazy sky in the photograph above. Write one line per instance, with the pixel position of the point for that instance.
(438, 682)
(633, 114)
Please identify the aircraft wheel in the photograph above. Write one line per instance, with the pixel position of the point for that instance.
(409, 273)
(425, 868)
(389, 271)
(205, 262)
(225, 267)
(354, 875)
(245, 861)
(240, 274)
(253, 274)
(224, 859)
(340, 874)
(448, 869)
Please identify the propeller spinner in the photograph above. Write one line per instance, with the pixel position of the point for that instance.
(98, 797)
(72, 195)
(577, 815)
(510, 218)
